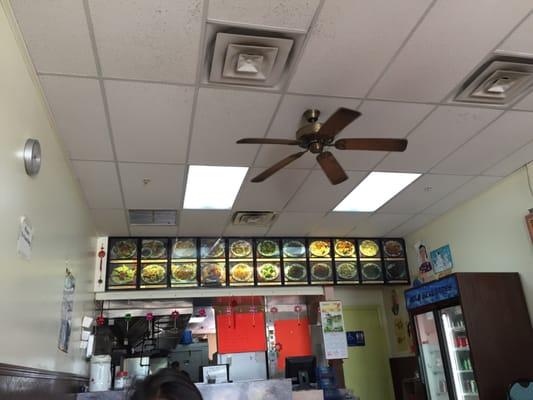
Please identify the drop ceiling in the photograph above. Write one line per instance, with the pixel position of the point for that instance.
(123, 80)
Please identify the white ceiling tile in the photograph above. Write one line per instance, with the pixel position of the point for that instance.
(416, 197)
(295, 223)
(441, 133)
(380, 119)
(500, 139)
(272, 194)
(110, 222)
(78, 110)
(150, 121)
(525, 104)
(243, 230)
(202, 223)
(511, 163)
(139, 230)
(379, 224)
(520, 40)
(338, 59)
(415, 223)
(338, 223)
(57, 35)
(273, 14)
(287, 122)
(99, 183)
(464, 193)
(445, 48)
(153, 40)
(317, 194)
(224, 116)
(164, 190)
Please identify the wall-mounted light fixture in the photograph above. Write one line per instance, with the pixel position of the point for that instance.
(32, 157)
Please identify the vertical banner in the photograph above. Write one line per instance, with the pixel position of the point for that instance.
(67, 304)
(335, 343)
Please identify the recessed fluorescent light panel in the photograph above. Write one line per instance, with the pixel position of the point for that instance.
(213, 188)
(375, 190)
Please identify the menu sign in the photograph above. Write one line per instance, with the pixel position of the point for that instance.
(335, 343)
(181, 262)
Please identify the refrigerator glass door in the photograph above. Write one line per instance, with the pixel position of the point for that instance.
(458, 352)
(430, 353)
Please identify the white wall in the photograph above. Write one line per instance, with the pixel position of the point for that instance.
(30, 291)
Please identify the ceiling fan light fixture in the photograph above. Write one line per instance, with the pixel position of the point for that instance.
(212, 187)
(375, 190)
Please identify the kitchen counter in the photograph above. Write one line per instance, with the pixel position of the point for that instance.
(273, 389)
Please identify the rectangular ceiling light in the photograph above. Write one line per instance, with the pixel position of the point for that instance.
(375, 190)
(213, 188)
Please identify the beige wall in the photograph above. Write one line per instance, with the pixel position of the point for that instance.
(30, 291)
(486, 234)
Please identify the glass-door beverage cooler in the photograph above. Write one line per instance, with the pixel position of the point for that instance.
(466, 344)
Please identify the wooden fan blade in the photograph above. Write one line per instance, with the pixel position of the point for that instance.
(267, 141)
(338, 121)
(331, 167)
(276, 167)
(372, 144)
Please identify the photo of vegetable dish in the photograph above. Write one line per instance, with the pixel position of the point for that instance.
(321, 271)
(153, 249)
(319, 248)
(344, 248)
(124, 249)
(212, 248)
(240, 249)
(268, 272)
(393, 248)
(123, 274)
(184, 249)
(371, 271)
(185, 272)
(242, 273)
(153, 273)
(346, 271)
(268, 248)
(213, 273)
(369, 248)
(294, 249)
(295, 272)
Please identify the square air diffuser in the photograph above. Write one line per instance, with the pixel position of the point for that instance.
(249, 60)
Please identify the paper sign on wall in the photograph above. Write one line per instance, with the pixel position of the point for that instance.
(335, 342)
(25, 238)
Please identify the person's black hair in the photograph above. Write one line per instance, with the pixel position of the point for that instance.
(166, 384)
(175, 364)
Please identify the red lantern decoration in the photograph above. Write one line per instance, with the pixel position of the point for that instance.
(149, 316)
(101, 255)
(274, 310)
(174, 315)
(100, 320)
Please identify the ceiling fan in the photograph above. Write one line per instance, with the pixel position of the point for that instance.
(316, 136)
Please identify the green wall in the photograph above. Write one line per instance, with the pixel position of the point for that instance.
(366, 371)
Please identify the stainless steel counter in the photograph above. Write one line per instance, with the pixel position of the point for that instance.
(274, 389)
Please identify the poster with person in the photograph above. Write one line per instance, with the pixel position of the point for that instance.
(441, 259)
(425, 271)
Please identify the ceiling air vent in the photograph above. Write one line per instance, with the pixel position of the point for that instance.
(152, 217)
(254, 218)
(498, 81)
(249, 60)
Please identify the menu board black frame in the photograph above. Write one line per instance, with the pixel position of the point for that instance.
(382, 260)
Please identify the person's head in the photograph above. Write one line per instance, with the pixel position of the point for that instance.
(166, 384)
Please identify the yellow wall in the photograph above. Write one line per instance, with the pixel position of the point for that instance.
(30, 291)
(486, 234)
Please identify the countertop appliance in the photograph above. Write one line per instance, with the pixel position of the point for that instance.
(100, 373)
